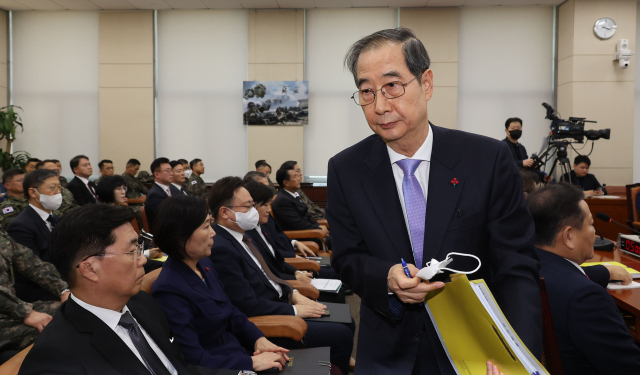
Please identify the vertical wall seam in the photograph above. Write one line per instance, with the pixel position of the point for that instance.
(554, 57)
(155, 85)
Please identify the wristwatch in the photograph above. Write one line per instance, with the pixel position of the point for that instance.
(247, 372)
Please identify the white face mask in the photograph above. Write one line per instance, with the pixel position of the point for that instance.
(434, 267)
(50, 202)
(247, 220)
(187, 173)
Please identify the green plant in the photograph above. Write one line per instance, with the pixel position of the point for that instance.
(16, 160)
(10, 121)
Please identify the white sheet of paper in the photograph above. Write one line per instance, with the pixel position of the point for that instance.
(327, 285)
(617, 285)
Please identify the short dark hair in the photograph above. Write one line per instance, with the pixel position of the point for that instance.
(31, 160)
(291, 164)
(173, 163)
(529, 180)
(283, 175)
(510, 120)
(553, 208)
(415, 55)
(54, 160)
(194, 162)
(260, 163)
(155, 165)
(183, 161)
(103, 162)
(45, 161)
(84, 232)
(222, 193)
(9, 174)
(175, 222)
(133, 162)
(252, 176)
(35, 179)
(76, 161)
(39, 164)
(582, 159)
(106, 186)
(260, 193)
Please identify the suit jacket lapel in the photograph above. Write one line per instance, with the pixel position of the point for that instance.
(243, 253)
(255, 236)
(381, 190)
(442, 196)
(192, 278)
(42, 226)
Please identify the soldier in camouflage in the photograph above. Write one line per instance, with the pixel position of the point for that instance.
(68, 202)
(63, 180)
(135, 187)
(14, 203)
(21, 322)
(197, 187)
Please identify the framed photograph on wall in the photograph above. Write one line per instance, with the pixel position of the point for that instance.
(283, 103)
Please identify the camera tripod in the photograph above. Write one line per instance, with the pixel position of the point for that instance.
(559, 150)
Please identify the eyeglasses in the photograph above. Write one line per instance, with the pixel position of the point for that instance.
(391, 90)
(51, 189)
(253, 205)
(122, 188)
(137, 252)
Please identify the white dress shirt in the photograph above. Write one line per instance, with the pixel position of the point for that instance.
(577, 265)
(164, 187)
(421, 173)
(259, 230)
(294, 194)
(43, 214)
(112, 318)
(86, 183)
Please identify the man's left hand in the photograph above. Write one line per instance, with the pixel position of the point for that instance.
(303, 276)
(304, 249)
(263, 345)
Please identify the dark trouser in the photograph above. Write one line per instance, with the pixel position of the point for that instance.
(426, 363)
(337, 336)
(20, 334)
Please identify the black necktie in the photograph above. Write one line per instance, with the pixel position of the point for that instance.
(92, 189)
(265, 267)
(51, 221)
(150, 358)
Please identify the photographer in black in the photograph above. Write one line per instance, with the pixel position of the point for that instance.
(513, 129)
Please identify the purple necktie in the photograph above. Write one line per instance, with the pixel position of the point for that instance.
(415, 206)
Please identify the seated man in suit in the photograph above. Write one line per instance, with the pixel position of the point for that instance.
(68, 202)
(314, 210)
(107, 326)
(83, 190)
(161, 189)
(581, 177)
(14, 203)
(33, 226)
(592, 336)
(179, 181)
(249, 282)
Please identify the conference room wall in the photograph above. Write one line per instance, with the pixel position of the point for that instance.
(202, 61)
(636, 89)
(55, 73)
(3, 61)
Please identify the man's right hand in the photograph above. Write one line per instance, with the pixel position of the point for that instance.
(409, 290)
(268, 360)
(37, 320)
(527, 163)
(314, 310)
(619, 273)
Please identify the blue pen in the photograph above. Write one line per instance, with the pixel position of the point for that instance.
(406, 269)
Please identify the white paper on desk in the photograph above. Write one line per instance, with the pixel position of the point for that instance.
(605, 197)
(618, 285)
(327, 285)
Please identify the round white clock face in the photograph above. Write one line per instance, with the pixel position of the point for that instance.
(605, 28)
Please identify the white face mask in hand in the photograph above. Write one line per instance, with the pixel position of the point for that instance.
(247, 220)
(50, 202)
(434, 267)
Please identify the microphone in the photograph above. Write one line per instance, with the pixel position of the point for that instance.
(602, 244)
(604, 217)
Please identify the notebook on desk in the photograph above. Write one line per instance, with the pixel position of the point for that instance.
(305, 361)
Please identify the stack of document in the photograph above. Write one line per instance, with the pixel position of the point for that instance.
(473, 330)
(634, 273)
(327, 285)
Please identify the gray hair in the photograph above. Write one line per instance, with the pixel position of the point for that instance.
(252, 176)
(415, 55)
(35, 179)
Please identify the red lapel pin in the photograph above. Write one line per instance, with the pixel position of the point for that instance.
(206, 268)
(454, 182)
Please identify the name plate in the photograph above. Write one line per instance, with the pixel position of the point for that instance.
(629, 243)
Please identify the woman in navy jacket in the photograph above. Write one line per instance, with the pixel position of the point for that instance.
(210, 330)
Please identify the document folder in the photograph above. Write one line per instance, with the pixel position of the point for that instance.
(339, 313)
(305, 362)
(473, 330)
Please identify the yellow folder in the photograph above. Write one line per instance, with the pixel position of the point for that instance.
(473, 330)
(634, 273)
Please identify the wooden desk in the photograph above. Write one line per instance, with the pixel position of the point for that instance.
(628, 299)
(615, 208)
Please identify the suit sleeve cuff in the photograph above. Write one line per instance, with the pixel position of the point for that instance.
(295, 312)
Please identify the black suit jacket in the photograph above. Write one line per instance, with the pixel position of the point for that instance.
(279, 240)
(592, 336)
(244, 282)
(78, 342)
(30, 230)
(274, 260)
(291, 213)
(590, 181)
(81, 192)
(483, 214)
(523, 152)
(155, 196)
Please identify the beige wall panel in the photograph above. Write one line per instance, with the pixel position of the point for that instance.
(565, 99)
(251, 19)
(126, 37)
(445, 74)
(300, 36)
(3, 37)
(437, 28)
(612, 176)
(587, 12)
(3, 74)
(601, 68)
(443, 107)
(300, 72)
(565, 70)
(126, 75)
(275, 144)
(565, 29)
(126, 126)
(4, 99)
(275, 37)
(273, 72)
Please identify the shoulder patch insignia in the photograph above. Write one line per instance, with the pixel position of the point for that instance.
(7, 210)
(194, 182)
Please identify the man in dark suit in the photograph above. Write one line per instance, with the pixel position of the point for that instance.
(581, 177)
(107, 326)
(33, 226)
(592, 336)
(415, 191)
(179, 181)
(83, 190)
(250, 284)
(161, 189)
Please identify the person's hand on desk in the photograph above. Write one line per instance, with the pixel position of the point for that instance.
(268, 360)
(304, 249)
(304, 276)
(37, 320)
(263, 345)
(492, 369)
(298, 299)
(527, 163)
(619, 273)
(409, 290)
(596, 192)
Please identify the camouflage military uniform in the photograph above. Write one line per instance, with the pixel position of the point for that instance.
(10, 209)
(135, 187)
(316, 212)
(145, 177)
(17, 258)
(63, 181)
(197, 187)
(68, 203)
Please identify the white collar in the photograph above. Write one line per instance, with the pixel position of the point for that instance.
(178, 186)
(295, 194)
(164, 187)
(85, 180)
(109, 317)
(42, 213)
(577, 265)
(237, 235)
(423, 153)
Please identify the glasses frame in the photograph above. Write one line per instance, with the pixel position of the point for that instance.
(375, 96)
(137, 252)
